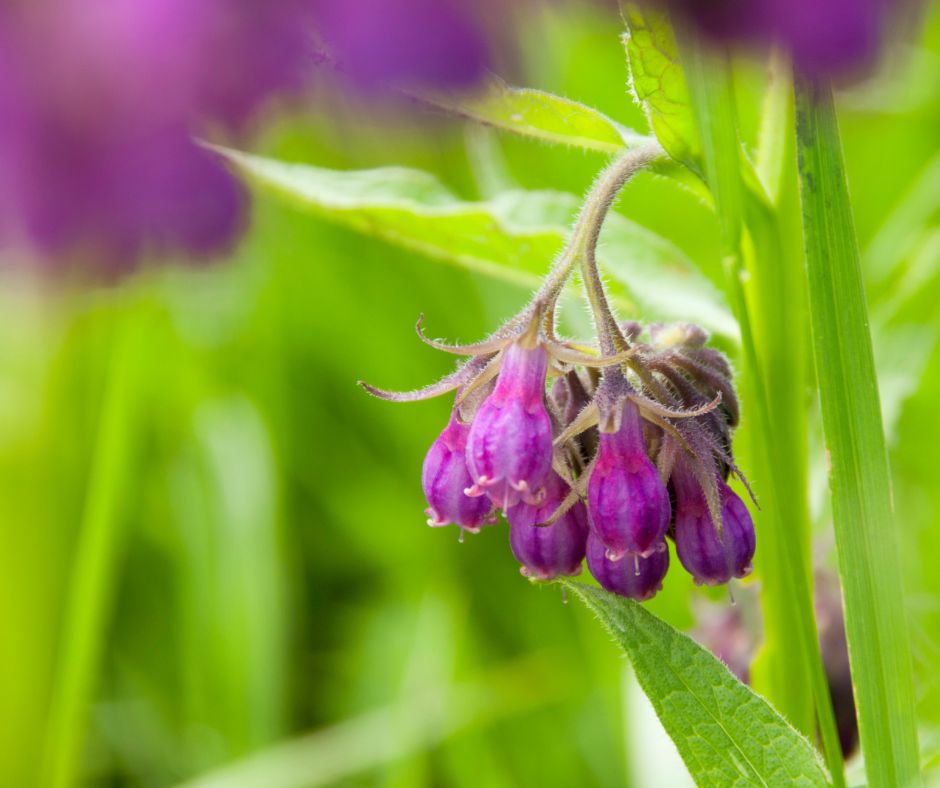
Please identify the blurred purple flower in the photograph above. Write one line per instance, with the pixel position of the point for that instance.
(382, 44)
(98, 105)
(822, 36)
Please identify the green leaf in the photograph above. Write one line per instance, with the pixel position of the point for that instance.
(658, 83)
(860, 482)
(512, 237)
(725, 733)
(540, 115)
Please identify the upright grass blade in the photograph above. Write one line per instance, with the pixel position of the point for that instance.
(859, 480)
(90, 588)
(798, 679)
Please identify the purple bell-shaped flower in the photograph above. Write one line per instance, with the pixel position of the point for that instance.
(547, 551)
(627, 500)
(445, 478)
(711, 559)
(630, 576)
(509, 448)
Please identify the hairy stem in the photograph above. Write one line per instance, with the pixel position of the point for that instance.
(583, 243)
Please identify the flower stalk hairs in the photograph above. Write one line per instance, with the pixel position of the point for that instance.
(601, 449)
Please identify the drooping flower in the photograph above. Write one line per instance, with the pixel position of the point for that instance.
(547, 551)
(712, 558)
(383, 44)
(824, 37)
(632, 575)
(627, 500)
(509, 449)
(445, 477)
(99, 104)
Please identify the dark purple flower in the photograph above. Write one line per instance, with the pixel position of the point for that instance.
(445, 477)
(627, 500)
(99, 103)
(711, 559)
(822, 36)
(630, 576)
(546, 551)
(382, 44)
(509, 450)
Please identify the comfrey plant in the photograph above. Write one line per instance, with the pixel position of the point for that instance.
(599, 449)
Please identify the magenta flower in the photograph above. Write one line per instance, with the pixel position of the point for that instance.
(383, 44)
(509, 449)
(445, 477)
(99, 103)
(631, 576)
(627, 500)
(547, 551)
(711, 559)
(822, 36)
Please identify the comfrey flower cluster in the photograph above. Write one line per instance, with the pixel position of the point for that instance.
(598, 450)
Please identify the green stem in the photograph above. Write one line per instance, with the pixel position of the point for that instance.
(860, 481)
(785, 521)
(90, 587)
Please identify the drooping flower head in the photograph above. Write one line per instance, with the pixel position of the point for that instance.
(711, 552)
(627, 500)
(823, 37)
(509, 448)
(382, 44)
(445, 479)
(631, 576)
(100, 103)
(547, 551)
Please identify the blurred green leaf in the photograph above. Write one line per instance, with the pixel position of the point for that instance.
(860, 479)
(658, 83)
(512, 237)
(540, 115)
(725, 733)
(421, 721)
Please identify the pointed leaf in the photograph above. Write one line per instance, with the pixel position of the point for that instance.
(725, 733)
(540, 115)
(658, 83)
(512, 237)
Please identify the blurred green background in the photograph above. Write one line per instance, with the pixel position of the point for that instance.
(276, 611)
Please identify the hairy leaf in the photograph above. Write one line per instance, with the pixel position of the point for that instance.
(544, 116)
(725, 733)
(512, 237)
(658, 83)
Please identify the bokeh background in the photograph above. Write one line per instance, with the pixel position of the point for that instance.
(277, 613)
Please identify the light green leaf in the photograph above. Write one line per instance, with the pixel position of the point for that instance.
(513, 237)
(658, 83)
(725, 733)
(534, 113)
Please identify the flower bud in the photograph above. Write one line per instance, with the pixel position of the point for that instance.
(509, 448)
(445, 477)
(627, 500)
(711, 559)
(630, 576)
(546, 551)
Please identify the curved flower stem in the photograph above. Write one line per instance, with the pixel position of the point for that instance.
(583, 243)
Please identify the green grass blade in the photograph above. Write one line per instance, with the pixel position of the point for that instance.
(90, 588)
(797, 683)
(860, 482)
